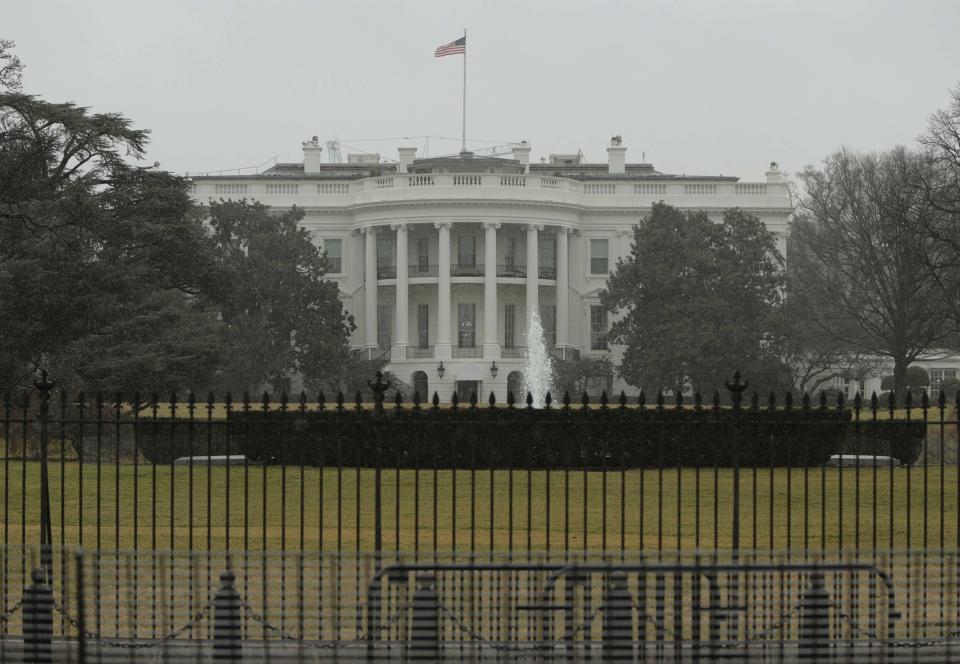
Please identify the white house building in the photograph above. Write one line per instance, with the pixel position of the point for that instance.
(443, 260)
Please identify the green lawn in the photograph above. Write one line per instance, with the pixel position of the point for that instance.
(132, 501)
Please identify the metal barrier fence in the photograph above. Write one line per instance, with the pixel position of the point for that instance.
(717, 606)
(625, 475)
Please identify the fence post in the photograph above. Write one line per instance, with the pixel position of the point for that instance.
(45, 386)
(815, 620)
(227, 628)
(38, 620)
(425, 631)
(617, 620)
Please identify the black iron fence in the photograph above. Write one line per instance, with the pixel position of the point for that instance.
(316, 474)
(739, 606)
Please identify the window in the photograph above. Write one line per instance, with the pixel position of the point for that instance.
(385, 251)
(548, 318)
(509, 325)
(334, 249)
(467, 250)
(385, 325)
(466, 325)
(423, 254)
(548, 252)
(599, 250)
(598, 327)
(423, 325)
(510, 252)
(386, 257)
(937, 376)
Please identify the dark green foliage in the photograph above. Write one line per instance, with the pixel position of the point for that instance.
(697, 298)
(916, 378)
(96, 256)
(282, 316)
(557, 438)
(583, 374)
(949, 387)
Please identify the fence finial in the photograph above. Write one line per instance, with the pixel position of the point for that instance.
(737, 388)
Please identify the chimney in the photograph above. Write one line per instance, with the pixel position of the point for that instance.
(312, 156)
(521, 153)
(616, 157)
(407, 155)
(774, 174)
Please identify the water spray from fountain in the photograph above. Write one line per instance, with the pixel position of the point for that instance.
(538, 368)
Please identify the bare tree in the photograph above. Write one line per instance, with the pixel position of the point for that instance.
(942, 139)
(11, 69)
(862, 267)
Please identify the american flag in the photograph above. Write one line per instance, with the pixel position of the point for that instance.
(453, 48)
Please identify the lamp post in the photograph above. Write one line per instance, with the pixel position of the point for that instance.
(46, 527)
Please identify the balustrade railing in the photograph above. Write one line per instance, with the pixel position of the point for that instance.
(548, 273)
(466, 351)
(422, 270)
(419, 351)
(515, 271)
(467, 181)
(387, 272)
(466, 270)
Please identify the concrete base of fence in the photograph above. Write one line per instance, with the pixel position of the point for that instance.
(212, 460)
(184, 651)
(862, 460)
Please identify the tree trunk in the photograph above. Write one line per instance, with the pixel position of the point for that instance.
(899, 373)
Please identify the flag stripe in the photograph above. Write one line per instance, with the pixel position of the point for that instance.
(453, 48)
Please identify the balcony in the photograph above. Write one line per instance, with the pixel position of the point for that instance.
(386, 272)
(466, 270)
(515, 351)
(548, 273)
(467, 351)
(419, 352)
(512, 271)
(418, 270)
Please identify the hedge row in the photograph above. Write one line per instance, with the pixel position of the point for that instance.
(521, 438)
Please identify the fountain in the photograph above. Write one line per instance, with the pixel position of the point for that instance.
(538, 368)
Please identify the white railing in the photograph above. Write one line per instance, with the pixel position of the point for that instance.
(700, 189)
(606, 188)
(744, 189)
(283, 188)
(650, 189)
(230, 189)
(387, 188)
(333, 188)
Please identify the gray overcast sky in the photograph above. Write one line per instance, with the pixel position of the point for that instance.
(701, 87)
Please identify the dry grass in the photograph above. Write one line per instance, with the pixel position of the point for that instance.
(483, 511)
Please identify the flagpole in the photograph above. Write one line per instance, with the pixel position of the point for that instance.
(463, 146)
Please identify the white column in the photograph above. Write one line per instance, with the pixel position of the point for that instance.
(443, 347)
(533, 274)
(402, 339)
(563, 286)
(491, 346)
(370, 288)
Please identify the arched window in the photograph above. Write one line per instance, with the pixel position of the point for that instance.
(420, 385)
(515, 385)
